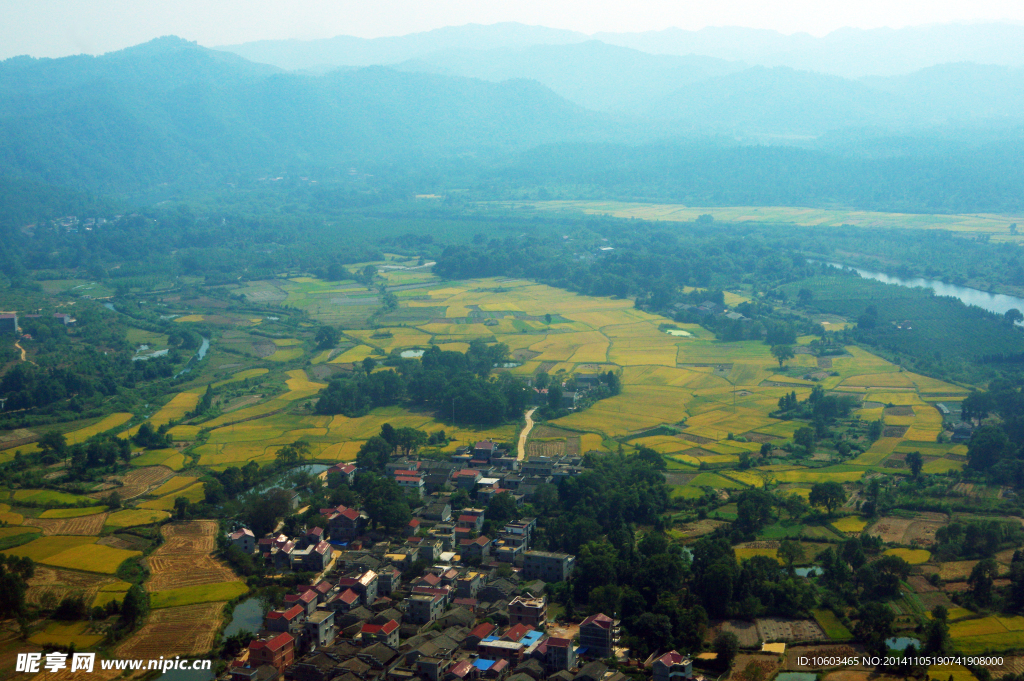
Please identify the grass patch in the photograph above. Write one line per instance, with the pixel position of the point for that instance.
(205, 593)
(912, 556)
(133, 517)
(831, 625)
(49, 497)
(72, 512)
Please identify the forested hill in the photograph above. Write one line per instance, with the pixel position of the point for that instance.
(171, 111)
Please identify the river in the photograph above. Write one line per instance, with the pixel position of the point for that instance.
(993, 302)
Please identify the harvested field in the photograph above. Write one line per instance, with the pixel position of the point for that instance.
(89, 525)
(188, 631)
(904, 410)
(184, 558)
(697, 529)
(759, 437)
(921, 585)
(895, 431)
(62, 583)
(551, 448)
(775, 629)
(746, 632)
(138, 482)
(920, 530)
(744, 665)
(697, 439)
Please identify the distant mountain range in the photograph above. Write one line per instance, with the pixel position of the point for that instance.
(848, 52)
(171, 111)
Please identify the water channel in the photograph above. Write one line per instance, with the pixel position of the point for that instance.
(993, 302)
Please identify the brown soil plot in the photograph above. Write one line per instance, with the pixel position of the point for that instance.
(184, 558)
(87, 525)
(188, 631)
(62, 583)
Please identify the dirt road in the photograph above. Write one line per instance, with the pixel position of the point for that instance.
(525, 434)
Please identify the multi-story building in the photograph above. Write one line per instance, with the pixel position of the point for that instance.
(245, 540)
(277, 652)
(529, 610)
(598, 634)
(423, 608)
(672, 666)
(551, 567)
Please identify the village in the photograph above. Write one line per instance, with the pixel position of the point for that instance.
(478, 612)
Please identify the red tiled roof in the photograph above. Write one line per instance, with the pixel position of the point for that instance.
(462, 668)
(517, 632)
(467, 518)
(482, 630)
(415, 522)
(385, 628)
(498, 666)
(484, 444)
(670, 658)
(348, 596)
(322, 547)
(408, 478)
(600, 619)
(559, 642)
(431, 579)
(323, 586)
(274, 644)
(317, 531)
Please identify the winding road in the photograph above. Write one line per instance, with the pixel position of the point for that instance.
(525, 434)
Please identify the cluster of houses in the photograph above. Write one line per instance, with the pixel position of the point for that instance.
(443, 602)
(707, 309)
(369, 623)
(9, 321)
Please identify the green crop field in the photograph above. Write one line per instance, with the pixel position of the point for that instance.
(205, 593)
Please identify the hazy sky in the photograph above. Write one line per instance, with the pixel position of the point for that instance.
(52, 28)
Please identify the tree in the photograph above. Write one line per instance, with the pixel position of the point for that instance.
(374, 454)
(830, 494)
(369, 364)
(54, 443)
(874, 626)
(555, 397)
(936, 640)
(782, 353)
(987, 446)
(1013, 316)
(501, 509)
(262, 515)
(133, 608)
(181, 508)
(915, 462)
(726, 645)
(805, 438)
(980, 581)
(791, 551)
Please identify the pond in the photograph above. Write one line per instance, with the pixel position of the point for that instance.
(901, 643)
(678, 332)
(993, 302)
(196, 357)
(411, 354)
(247, 616)
(796, 676)
(809, 571)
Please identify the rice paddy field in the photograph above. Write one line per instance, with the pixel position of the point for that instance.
(996, 225)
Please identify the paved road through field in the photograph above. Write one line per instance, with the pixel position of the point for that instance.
(526, 433)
